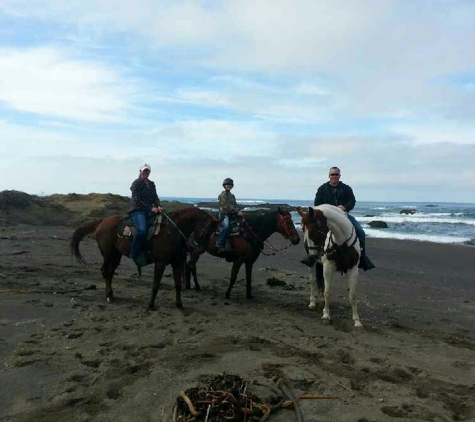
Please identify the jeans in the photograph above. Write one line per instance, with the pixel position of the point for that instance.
(140, 222)
(359, 230)
(225, 228)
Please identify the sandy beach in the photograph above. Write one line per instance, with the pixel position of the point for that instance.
(68, 355)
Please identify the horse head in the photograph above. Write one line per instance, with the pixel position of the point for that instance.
(316, 228)
(286, 228)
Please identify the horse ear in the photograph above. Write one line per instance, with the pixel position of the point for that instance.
(310, 212)
(300, 211)
(279, 209)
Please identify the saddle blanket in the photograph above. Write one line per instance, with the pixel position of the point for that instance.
(126, 227)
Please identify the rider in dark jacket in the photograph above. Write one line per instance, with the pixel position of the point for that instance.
(340, 195)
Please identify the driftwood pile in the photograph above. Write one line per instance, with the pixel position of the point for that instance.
(227, 398)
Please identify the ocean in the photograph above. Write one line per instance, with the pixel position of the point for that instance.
(437, 222)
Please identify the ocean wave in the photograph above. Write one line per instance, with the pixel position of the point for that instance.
(380, 234)
(416, 219)
(250, 201)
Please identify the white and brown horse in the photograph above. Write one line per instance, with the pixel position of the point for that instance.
(331, 237)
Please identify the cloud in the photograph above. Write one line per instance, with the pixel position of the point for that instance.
(45, 81)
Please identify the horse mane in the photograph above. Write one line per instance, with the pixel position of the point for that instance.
(336, 216)
(190, 212)
(261, 220)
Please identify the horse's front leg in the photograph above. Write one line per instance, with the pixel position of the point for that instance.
(178, 268)
(234, 272)
(249, 279)
(352, 282)
(157, 278)
(328, 271)
(313, 288)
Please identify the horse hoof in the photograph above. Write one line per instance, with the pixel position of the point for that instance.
(179, 306)
(227, 296)
(358, 324)
(312, 305)
(249, 297)
(151, 308)
(326, 321)
(110, 300)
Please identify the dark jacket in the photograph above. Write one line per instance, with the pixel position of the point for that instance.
(340, 194)
(144, 195)
(227, 203)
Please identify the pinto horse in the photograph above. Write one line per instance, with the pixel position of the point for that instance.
(168, 247)
(246, 249)
(332, 238)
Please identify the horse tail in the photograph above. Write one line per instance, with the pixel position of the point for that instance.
(79, 235)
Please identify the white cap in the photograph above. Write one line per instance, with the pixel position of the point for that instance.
(146, 167)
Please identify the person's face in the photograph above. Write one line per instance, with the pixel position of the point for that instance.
(144, 174)
(228, 187)
(334, 176)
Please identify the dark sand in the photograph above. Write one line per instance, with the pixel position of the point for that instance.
(73, 357)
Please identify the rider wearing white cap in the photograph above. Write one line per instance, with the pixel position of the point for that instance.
(144, 201)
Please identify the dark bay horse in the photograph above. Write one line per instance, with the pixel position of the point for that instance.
(246, 249)
(168, 247)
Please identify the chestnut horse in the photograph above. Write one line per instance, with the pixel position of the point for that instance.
(258, 226)
(168, 247)
(330, 236)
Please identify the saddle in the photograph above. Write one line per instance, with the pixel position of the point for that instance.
(126, 228)
(235, 229)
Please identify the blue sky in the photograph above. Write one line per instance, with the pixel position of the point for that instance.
(271, 94)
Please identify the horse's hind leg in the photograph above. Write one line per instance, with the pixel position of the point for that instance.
(157, 278)
(234, 272)
(111, 262)
(352, 282)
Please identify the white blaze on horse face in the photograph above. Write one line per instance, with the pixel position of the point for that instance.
(310, 244)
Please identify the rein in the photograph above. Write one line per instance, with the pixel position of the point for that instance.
(266, 242)
(192, 243)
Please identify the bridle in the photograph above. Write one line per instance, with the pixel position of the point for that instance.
(283, 225)
(283, 219)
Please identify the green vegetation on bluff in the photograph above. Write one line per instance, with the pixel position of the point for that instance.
(64, 210)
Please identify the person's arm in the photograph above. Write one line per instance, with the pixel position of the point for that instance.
(319, 197)
(350, 199)
(155, 197)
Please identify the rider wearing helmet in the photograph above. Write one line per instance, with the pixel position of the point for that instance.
(144, 201)
(228, 211)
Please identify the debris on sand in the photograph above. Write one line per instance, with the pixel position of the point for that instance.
(228, 398)
(225, 398)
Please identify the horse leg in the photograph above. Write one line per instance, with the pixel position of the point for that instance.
(178, 276)
(320, 279)
(313, 288)
(234, 272)
(157, 278)
(328, 271)
(191, 270)
(111, 262)
(352, 282)
(249, 265)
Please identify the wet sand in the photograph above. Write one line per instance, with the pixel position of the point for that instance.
(68, 355)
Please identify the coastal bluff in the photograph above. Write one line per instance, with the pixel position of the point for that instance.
(73, 209)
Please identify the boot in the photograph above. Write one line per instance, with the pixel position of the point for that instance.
(365, 263)
(309, 260)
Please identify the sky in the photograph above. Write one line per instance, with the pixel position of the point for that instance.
(271, 94)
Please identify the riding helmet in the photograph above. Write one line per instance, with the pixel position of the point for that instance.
(228, 181)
